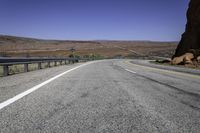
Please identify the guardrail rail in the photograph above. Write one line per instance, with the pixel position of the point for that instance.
(5, 62)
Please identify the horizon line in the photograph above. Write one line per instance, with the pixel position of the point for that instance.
(52, 39)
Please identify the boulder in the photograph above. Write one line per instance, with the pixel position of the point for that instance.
(184, 59)
(187, 60)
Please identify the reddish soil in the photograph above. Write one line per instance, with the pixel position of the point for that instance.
(17, 46)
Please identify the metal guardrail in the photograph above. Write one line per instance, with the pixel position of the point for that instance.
(6, 62)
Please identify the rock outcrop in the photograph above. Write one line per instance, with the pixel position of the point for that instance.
(190, 42)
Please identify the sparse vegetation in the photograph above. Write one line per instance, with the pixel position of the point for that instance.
(1, 70)
(14, 69)
(17, 46)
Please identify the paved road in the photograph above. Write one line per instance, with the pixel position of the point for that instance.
(102, 96)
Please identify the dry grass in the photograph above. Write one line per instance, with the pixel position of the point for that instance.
(14, 69)
(1, 70)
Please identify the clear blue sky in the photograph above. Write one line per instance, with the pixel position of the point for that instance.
(158, 20)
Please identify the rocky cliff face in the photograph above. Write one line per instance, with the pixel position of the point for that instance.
(190, 42)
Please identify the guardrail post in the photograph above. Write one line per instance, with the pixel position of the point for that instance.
(26, 67)
(60, 62)
(39, 65)
(5, 70)
(48, 64)
(55, 63)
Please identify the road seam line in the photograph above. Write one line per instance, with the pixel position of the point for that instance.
(27, 92)
(130, 71)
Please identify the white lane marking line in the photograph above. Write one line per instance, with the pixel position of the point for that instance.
(23, 94)
(130, 71)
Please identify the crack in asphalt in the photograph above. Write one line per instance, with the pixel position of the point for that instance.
(195, 95)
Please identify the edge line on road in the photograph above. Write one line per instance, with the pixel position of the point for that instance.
(27, 92)
(163, 71)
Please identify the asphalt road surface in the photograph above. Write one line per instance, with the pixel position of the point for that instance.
(102, 96)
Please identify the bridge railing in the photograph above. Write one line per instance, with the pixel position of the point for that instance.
(6, 62)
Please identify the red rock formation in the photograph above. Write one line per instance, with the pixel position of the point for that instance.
(190, 42)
